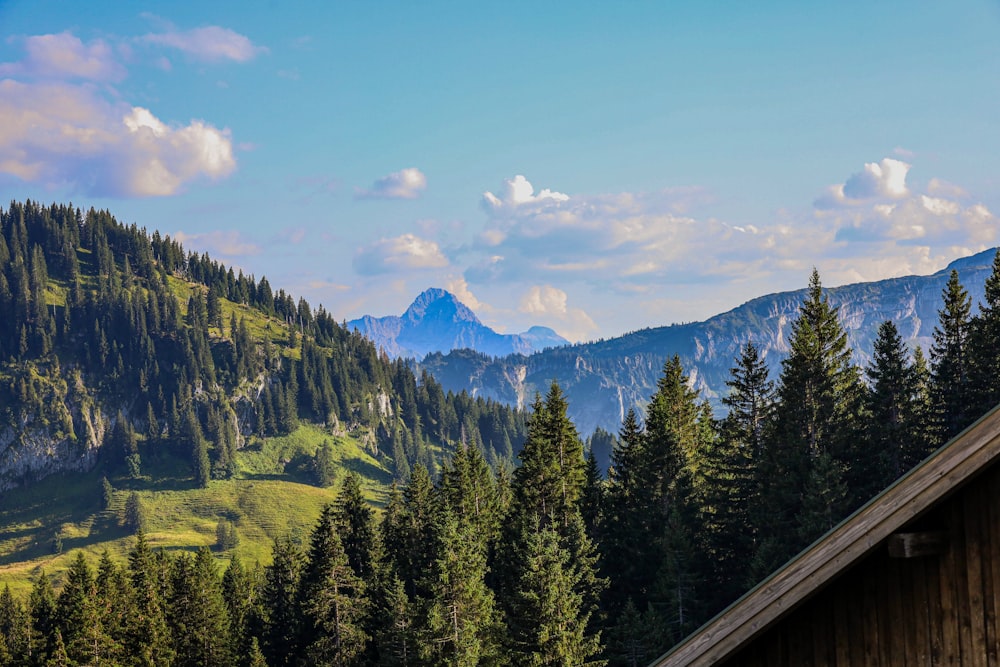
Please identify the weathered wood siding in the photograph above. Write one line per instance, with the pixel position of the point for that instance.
(932, 610)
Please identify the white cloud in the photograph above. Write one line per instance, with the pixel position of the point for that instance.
(64, 55)
(457, 286)
(64, 134)
(219, 243)
(403, 184)
(400, 254)
(208, 43)
(878, 180)
(550, 306)
(637, 243)
(518, 191)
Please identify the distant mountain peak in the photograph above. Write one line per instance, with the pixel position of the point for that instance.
(441, 305)
(437, 321)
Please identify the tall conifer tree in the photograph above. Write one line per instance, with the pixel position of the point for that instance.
(815, 448)
(951, 390)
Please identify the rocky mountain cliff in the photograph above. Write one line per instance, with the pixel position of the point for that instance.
(437, 321)
(602, 380)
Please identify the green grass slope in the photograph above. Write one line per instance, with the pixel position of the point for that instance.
(43, 525)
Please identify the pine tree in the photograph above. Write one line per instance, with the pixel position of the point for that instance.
(551, 616)
(79, 621)
(282, 617)
(816, 420)
(14, 625)
(355, 523)
(635, 639)
(337, 609)
(894, 409)
(462, 619)
(149, 642)
(984, 346)
(950, 388)
(730, 493)
(239, 590)
(396, 637)
(592, 498)
(135, 515)
(549, 482)
(626, 524)
(672, 454)
(114, 600)
(197, 613)
(44, 621)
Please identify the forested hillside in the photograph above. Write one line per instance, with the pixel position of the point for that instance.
(469, 563)
(113, 340)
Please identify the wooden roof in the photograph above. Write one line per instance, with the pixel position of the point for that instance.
(923, 487)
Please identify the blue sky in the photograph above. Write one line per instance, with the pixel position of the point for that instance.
(594, 167)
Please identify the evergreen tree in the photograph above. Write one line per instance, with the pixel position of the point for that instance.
(135, 515)
(114, 600)
(730, 488)
(149, 643)
(462, 618)
(635, 639)
(895, 405)
(550, 625)
(816, 444)
(355, 523)
(79, 621)
(239, 590)
(397, 638)
(592, 498)
(282, 618)
(44, 621)
(950, 389)
(337, 610)
(14, 625)
(197, 612)
(984, 346)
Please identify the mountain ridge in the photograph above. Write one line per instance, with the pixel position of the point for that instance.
(602, 379)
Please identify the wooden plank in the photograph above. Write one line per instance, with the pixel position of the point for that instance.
(937, 477)
(824, 630)
(855, 592)
(901, 633)
(842, 607)
(961, 575)
(950, 642)
(919, 619)
(869, 592)
(887, 621)
(987, 545)
(933, 613)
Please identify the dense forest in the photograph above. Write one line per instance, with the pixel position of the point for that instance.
(469, 563)
(177, 351)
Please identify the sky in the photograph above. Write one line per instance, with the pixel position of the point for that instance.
(595, 167)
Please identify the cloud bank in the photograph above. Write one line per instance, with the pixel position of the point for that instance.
(63, 124)
(61, 134)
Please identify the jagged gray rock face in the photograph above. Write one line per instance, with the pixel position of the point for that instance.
(436, 321)
(602, 380)
(31, 448)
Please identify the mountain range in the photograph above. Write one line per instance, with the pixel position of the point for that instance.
(603, 379)
(437, 321)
